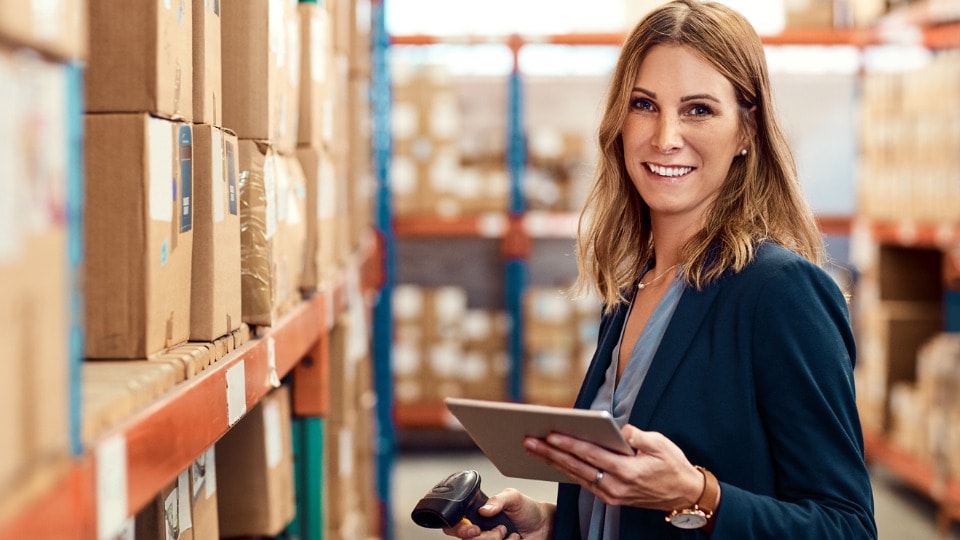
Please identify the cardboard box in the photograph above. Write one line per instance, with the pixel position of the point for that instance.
(168, 516)
(139, 234)
(292, 214)
(341, 498)
(316, 53)
(321, 263)
(207, 62)
(255, 470)
(263, 292)
(56, 28)
(37, 279)
(261, 70)
(203, 496)
(215, 308)
(141, 58)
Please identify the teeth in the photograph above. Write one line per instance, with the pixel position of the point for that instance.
(669, 171)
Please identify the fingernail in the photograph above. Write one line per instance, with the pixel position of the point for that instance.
(530, 444)
(487, 507)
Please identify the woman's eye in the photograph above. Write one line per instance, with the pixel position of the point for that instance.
(641, 104)
(700, 110)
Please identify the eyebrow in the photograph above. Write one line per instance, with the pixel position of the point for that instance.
(684, 99)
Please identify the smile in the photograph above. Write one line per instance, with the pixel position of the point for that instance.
(670, 172)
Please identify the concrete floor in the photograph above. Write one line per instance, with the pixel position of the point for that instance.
(901, 514)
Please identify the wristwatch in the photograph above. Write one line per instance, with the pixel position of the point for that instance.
(701, 512)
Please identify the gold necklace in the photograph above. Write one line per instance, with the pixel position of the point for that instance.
(641, 285)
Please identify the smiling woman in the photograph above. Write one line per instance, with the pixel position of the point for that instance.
(725, 353)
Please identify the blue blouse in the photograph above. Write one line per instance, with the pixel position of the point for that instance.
(618, 401)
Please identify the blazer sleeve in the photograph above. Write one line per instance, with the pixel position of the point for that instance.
(803, 351)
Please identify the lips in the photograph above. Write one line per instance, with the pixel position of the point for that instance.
(669, 172)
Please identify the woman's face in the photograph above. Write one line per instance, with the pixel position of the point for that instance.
(681, 133)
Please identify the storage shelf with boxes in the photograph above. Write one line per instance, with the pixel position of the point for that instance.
(208, 275)
(906, 242)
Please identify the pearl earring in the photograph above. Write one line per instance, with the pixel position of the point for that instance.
(743, 152)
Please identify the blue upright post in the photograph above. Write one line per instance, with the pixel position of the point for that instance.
(380, 100)
(516, 263)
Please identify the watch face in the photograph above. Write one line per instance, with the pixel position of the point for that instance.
(689, 519)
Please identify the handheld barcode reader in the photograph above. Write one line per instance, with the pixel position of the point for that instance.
(455, 498)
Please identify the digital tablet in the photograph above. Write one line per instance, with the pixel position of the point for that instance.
(499, 428)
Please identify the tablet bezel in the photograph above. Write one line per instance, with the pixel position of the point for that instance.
(498, 429)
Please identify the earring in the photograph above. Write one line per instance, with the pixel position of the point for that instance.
(743, 152)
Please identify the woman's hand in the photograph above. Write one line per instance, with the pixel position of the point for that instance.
(658, 476)
(533, 519)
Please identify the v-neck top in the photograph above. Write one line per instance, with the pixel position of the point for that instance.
(597, 520)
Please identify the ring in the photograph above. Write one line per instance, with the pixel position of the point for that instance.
(596, 481)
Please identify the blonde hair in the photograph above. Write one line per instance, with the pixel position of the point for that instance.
(761, 198)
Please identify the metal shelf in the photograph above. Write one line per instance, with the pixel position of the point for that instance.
(163, 439)
(916, 473)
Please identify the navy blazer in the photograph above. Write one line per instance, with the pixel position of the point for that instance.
(754, 381)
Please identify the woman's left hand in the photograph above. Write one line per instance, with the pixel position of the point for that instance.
(657, 476)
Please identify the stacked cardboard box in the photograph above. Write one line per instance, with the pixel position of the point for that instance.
(898, 307)
(426, 161)
(351, 510)
(559, 340)
(261, 101)
(39, 254)
(911, 144)
(442, 349)
(925, 414)
(184, 510)
(315, 143)
(254, 470)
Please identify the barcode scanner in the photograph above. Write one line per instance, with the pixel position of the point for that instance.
(455, 498)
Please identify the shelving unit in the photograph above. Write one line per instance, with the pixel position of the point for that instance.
(517, 228)
(139, 457)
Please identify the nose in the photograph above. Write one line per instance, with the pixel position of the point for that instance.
(667, 137)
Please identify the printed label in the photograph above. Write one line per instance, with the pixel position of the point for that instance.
(236, 393)
(272, 377)
(111, 471)
(198, 473)
(318, 53)
(171, 511)
(183, 507)
(272, 432)
(218, 180)
(161, 172)
(326, 194)
(185, 154)
(211, 482)
(231, 178)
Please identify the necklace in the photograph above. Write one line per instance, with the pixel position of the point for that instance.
(641, 285)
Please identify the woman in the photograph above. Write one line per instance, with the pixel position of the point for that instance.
(725, 352)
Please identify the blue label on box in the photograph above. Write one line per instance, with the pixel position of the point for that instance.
(185, 146)
(231, 179)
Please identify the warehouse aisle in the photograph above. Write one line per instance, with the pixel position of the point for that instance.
(901, 514)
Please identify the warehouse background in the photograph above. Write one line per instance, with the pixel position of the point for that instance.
(252, 244)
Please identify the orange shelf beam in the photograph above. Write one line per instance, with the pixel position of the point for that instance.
(908, 233)
(485, 225)
(917, 474)
(796, 36)
(426, 415)
(163, 439)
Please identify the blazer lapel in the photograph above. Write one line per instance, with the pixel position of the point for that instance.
(601, 358)
(687, 318)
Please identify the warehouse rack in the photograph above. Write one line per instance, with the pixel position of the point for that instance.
(517, 228)
(914, 472)
(138, 458)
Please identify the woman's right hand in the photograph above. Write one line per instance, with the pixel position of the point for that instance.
(533, 519)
